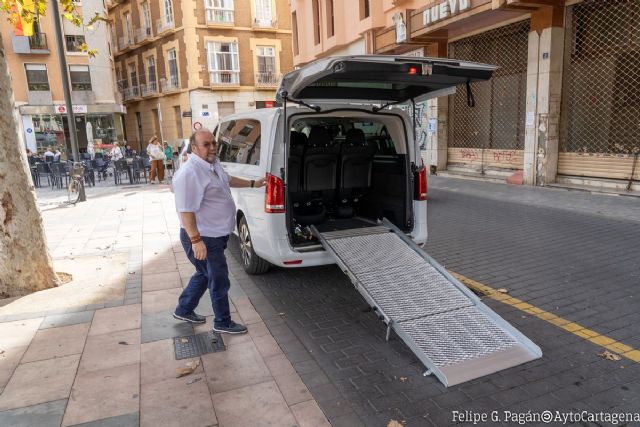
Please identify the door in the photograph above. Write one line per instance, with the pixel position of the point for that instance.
(81, 132)
(139, 126)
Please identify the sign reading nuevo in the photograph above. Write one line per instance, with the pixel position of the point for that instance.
(444, 10)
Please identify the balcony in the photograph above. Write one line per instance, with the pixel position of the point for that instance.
(267, 80)
(150, 88)
(38, 42)
(125, 42)
(143, 34)
(217, 16)
(225, 78)
(265, 23)
(169, 85)
(130, 92)
(162, 25)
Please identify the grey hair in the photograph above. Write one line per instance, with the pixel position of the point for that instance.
(192, 138)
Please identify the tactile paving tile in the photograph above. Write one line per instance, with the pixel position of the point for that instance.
(196, 345)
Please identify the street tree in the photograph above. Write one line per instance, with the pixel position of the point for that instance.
(25, 263)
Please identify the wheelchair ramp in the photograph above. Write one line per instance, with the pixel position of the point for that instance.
(455, 335)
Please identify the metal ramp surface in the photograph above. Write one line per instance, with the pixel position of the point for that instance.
(455, 335)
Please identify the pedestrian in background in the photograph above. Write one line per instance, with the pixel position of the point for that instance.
(168, 155)
(207, 216)
(116, 152)
(156, 155)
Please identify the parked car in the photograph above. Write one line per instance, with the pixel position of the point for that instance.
(339, 159)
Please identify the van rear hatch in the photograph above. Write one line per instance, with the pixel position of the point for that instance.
(379, 78)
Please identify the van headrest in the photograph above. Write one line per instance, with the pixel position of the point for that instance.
(355, 137)
(298, 138)
(319, 136)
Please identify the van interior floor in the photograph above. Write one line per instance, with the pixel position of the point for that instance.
(339, 224)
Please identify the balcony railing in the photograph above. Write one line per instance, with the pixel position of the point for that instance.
(130, 92)
(169, 85)
(162, 25)
(38, 41)
(125, 42)
(142, 34)
(265, 23)
(149, 89)
(267, 79)
(217, 16)
(224, 77)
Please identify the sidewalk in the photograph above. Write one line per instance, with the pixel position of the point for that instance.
(100, 349)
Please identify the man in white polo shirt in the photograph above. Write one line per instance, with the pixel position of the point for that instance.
(207, 216)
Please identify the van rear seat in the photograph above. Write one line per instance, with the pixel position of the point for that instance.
(354, 177)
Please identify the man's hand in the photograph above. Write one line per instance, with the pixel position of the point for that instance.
(199, 250)
(259, 183)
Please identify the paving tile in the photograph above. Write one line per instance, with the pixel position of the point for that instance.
(89, 402)
(157, 301)
(259, 404)
(279, 365)
(158, 363)
(162, 325)
(239, 366)
(258, 329)
(293, 389)
(38, 382)
(128, 420)
(267, 346)
(47, 414)
(177, 402)
(309, 414)
(9, 361)
(57, 342)
(110, 350)
(156, 282)
(67, 319)
(115, 319)
(246, 310)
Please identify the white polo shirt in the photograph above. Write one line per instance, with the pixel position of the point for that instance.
(203, 188)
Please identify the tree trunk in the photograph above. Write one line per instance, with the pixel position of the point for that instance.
(25, 264)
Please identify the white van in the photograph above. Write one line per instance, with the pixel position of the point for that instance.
(335, 155)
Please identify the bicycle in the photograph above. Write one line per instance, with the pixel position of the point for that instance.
(75, 190)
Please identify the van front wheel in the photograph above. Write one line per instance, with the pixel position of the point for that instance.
(251, 262)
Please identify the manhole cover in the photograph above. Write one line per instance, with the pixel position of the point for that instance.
(196, 345)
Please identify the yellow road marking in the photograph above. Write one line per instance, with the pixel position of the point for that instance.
(569, 326)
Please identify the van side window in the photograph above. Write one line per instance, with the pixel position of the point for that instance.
(239, 142)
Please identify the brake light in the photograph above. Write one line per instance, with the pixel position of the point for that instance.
(421, 181)
(274, 195)
(413, 70)
(293, 262)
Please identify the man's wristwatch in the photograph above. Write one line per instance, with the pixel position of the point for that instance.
(253, 183)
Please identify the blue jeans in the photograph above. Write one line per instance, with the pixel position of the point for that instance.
(211, 273)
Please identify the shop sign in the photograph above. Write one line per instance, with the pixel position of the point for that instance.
(77, 109)
(444, 10)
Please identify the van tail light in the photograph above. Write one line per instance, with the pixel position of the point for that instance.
(274, 195)
(421, 184)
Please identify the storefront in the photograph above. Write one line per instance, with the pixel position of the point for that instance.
(45, 127)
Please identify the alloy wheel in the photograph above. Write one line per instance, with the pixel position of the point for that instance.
(245, 244)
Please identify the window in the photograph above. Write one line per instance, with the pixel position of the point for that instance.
(151, 71)
(239, 142)
(146, 18)
(263, 13)
(364, 9)
(80, 77)
(224, 65)
(128, 34)
(219, 10)
(168, 12)
(37, 78)
(294, 26)
(73, 43)
(266, 59)
(133, 75)
(173, 67)
(330, 19)
(316, 21)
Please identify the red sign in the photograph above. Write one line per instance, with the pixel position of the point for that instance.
(62, 109)
(197, 126)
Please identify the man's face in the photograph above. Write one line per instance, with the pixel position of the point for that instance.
(205, 147)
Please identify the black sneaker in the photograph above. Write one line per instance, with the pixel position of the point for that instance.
(233, 328)
(191, 317)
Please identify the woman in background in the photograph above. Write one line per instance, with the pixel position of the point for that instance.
(156, 155)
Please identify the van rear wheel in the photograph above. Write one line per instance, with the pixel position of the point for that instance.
(251, 262)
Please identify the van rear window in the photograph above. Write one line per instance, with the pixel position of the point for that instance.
(239, 142)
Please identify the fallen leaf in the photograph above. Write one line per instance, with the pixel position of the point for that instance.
(187, 369)
(502, 291)
(403, 379)
(1, 351)
(184, 340)
(195, 380)
(610, 356)
(123, 343)
(123, 209)
(132, 272)
(394, 423)
(280, 314)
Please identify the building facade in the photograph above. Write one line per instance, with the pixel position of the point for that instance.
(181, 65)
(36, 76)
(562, 108)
